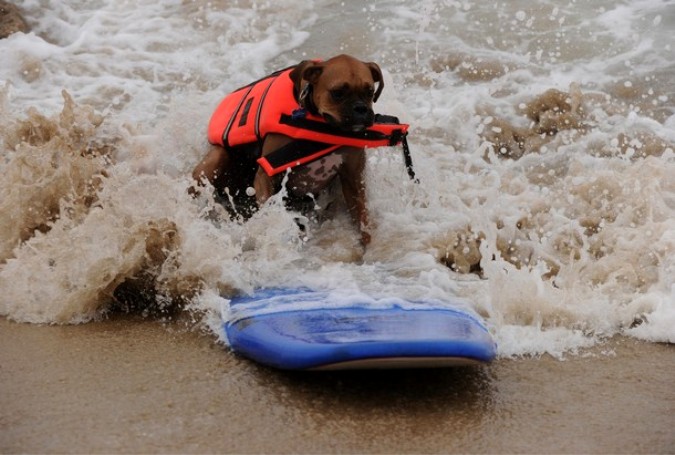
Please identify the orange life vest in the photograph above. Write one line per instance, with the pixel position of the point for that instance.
(267, 106)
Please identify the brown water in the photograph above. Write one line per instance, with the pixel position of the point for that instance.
(127, 385)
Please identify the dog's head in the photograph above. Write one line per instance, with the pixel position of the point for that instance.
(342, 90)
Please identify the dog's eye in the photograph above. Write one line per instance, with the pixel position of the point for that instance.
(370, 92)
(337, 94)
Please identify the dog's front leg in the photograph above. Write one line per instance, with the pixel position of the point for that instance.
(263, 186)
(354, 189)
(213, 167)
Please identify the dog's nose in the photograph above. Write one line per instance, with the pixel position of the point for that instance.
(362, 116)
(361, 109)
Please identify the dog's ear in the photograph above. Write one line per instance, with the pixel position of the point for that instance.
(377, 77)
(305, 70)
(311, 72)
(296, 74)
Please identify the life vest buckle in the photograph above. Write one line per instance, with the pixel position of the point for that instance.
(299, 113)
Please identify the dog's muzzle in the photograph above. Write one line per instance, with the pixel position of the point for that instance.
(356, 119)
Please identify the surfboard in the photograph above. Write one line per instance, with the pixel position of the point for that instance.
(303, 329)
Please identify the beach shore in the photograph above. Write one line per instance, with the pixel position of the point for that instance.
(130, 385)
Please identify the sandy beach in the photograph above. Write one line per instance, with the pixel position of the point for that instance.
(137, 386)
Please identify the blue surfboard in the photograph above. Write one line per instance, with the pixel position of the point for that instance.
(301, 329)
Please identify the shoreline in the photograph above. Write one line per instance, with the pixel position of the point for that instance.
(130, 385)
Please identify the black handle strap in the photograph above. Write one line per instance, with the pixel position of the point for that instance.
(407, 159)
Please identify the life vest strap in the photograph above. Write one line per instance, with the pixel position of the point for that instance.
(295, 153)
(304, 151)
(324, 128)
(407, 159)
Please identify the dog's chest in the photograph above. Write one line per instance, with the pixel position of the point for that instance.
(315, 176)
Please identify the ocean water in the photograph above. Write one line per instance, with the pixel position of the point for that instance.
(542, 133)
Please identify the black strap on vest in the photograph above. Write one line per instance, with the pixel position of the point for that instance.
(403, 139)
(295, 151)
(302, 148)
(408, 160)
(325, 128)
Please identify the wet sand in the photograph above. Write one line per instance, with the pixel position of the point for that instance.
(127, 385)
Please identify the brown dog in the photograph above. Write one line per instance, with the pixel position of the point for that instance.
(341, 90)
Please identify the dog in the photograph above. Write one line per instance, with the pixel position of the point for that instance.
(341, 91)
